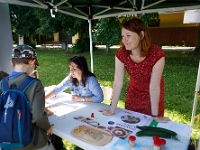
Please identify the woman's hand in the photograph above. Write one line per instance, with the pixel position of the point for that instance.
(106, 112)
(77, 98)
(161, 119)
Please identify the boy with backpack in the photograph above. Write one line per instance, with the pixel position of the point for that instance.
(24, 61)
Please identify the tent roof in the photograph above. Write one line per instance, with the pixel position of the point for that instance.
(95, 9)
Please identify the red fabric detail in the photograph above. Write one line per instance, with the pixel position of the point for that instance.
(137, 94)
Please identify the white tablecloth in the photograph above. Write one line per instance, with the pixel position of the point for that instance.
(65, 110)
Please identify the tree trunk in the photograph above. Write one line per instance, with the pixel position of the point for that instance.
(107, 48)
(21, 39)
(197, 49)
(39, 39)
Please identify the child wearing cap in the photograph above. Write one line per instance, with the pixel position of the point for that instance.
(24, 61)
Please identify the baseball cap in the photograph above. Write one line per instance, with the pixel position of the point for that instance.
(24, 51)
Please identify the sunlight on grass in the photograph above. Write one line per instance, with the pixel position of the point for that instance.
(70, 146)
(106, 83)
(195, 131)
(119, 105)
(176, 116)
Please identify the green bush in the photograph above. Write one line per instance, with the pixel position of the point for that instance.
(81, 45)
(33, 43)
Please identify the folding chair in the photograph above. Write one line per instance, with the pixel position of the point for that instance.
(107, 92)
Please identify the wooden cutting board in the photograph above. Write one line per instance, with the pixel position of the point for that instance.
(92, 135)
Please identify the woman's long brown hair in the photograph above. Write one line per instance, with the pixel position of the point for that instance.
(136, 25)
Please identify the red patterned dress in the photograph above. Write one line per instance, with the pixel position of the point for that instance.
(137, 93)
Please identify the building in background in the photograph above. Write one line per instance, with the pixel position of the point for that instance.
(170, 30)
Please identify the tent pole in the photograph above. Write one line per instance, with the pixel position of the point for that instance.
(6, 44)
(91, 47)
(196, 96)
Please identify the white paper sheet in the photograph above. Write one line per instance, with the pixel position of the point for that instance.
(61, 105)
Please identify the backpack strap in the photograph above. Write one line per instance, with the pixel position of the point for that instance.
(36, 133)
(26, 83)
(5, 84)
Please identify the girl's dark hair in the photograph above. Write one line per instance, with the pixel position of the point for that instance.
(3, 74)
(81, 63)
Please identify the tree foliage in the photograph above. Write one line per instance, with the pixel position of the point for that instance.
(23, 20)
(61, 23)
(147, 17)
(30, 21)
(107, 31)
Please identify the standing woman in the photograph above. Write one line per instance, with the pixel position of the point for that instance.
(144, 62)
(82, 83)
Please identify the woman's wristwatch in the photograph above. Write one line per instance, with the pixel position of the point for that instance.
(83, 99)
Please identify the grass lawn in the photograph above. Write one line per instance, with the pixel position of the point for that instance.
(180, 75)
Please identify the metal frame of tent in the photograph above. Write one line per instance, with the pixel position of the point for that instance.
(196, 95)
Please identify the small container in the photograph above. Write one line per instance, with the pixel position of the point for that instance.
(92, 115)
(155, 138)
(157, 145)
(131, 141)
(162, 142)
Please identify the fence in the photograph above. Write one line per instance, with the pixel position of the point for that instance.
(174, 36)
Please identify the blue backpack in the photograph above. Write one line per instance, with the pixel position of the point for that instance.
(15, 116)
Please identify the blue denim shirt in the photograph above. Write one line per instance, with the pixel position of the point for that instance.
(92, 88)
